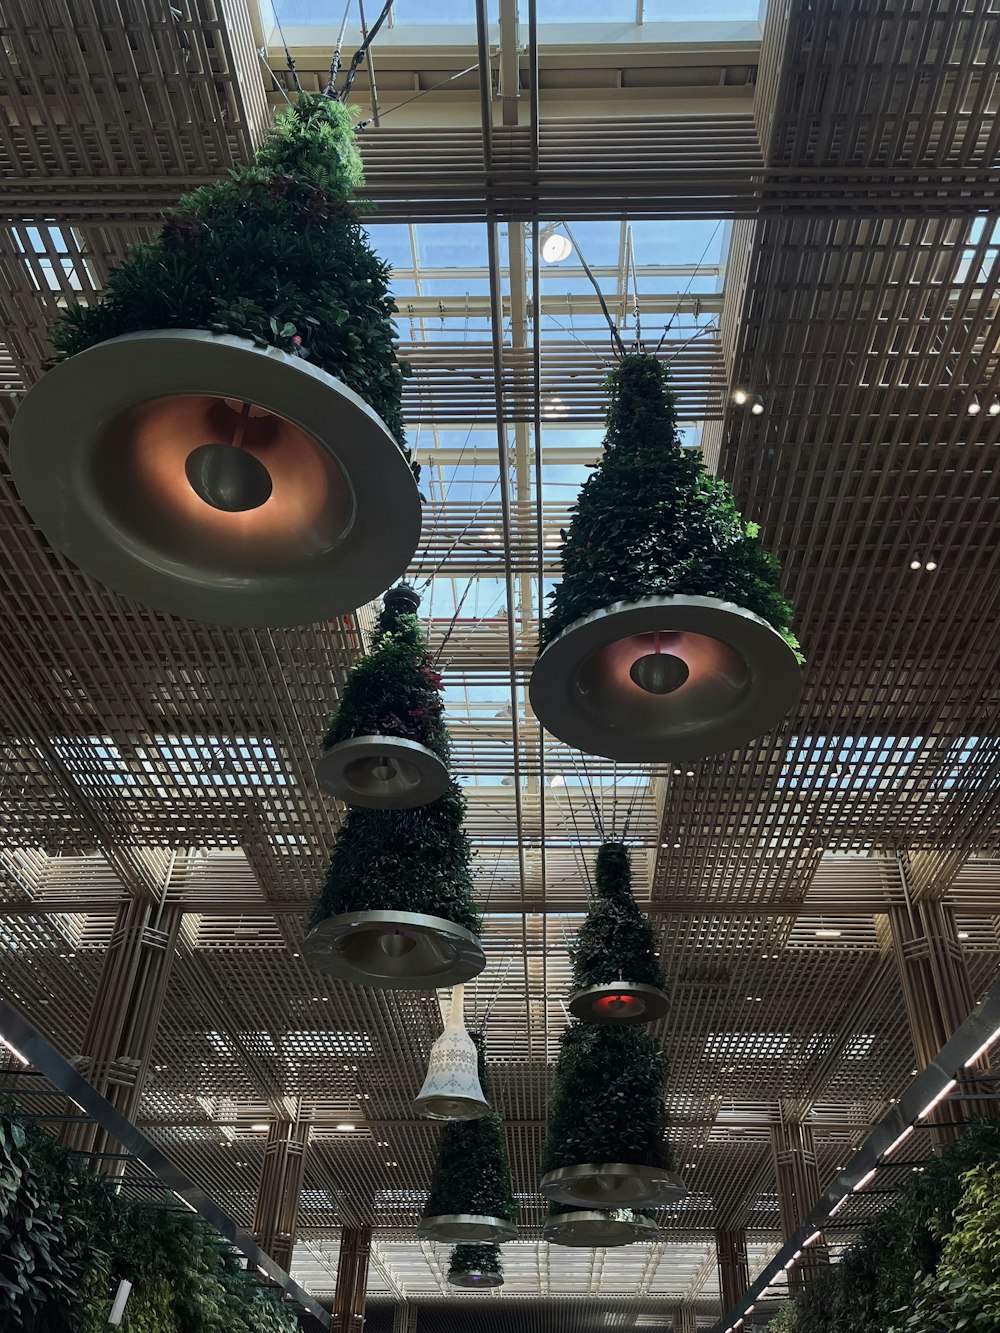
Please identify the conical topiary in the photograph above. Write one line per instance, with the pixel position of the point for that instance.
(221, 436)
(607, 1102)
(475, 1265)
(650, 520)
(616, 941)
(273, 253)
(395, 689)
(667, 637)
(403, 860)
(472, 1177)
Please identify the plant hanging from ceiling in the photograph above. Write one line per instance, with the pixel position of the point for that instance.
(617, 976)
(397, 909)
(387, 744)
(475, 1266)
(472, 1195)
(232, 403)
(605, 1145)
(668, 635)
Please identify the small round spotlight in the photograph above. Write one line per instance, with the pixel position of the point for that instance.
(741, 397)
(757, 405)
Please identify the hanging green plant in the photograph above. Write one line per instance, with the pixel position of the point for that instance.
(475, 1266)
(258, 327)
(605, 1143)
(668, 635)
(472, 1195)
(387, 744)
(617, 976)
(397, 909)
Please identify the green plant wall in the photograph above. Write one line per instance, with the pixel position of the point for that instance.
(929, 1264)
(67, 1239)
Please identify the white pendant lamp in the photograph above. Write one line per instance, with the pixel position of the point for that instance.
(452, 1090)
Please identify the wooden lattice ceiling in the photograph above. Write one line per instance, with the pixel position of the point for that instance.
(851, 152)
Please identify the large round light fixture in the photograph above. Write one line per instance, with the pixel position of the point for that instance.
(592, 1230)
(210, 478)
(613, 1185)
(382, 772)
(394, 950)
(555, 246)
(727, 677)
(461, 1228)
(619, 1003)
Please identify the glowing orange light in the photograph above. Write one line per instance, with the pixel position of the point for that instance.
(616, 1004)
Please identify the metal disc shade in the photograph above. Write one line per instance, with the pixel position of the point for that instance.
(451, 1090)
(210, 478)
(394, 950)
(475, 1278)
(456, 1228)
(382, 772)
(725, 677)
(620, 1003)
(613, 1185)
(590, 1230)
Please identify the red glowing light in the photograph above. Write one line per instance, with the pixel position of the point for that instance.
(616, 1004)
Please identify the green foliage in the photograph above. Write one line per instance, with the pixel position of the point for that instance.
(273, 254)
(651, 521)
(930, 1264)
(66, 1239)
(394, 690)
(415, 860)
(475, 1259)
(607, 1102)
(616, 940)
(473, 1173)
(964, 1291)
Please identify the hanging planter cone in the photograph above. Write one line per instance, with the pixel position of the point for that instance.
(616, 972)
(588, 1229)
(475, 1266)
(668, 637)
(214, 450)
(471, 1198)
(451, 1090)
(605, 1147)
(397, 909)
(387, 747)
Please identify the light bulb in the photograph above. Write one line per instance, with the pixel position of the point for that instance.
(757, 406)
(931, 564)
(974, 407)
(915, 564)
(994, 408)
(741, 397)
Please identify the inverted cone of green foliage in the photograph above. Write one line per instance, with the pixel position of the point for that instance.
(929, 1264)
(416, 860)
(67, 1239)
(475, 1259)
(616, 940)
(607, 1102)
(473, 1173)
(394, 690)
(272, 253)
(651, 521)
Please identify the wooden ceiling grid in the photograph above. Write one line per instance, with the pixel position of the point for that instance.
(143, 755)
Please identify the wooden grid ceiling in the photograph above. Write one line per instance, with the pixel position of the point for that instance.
(847, 152)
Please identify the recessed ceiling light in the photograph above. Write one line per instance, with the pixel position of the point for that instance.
(827, 933)
(930, 564)
(345, 1129)
(258, 1129)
